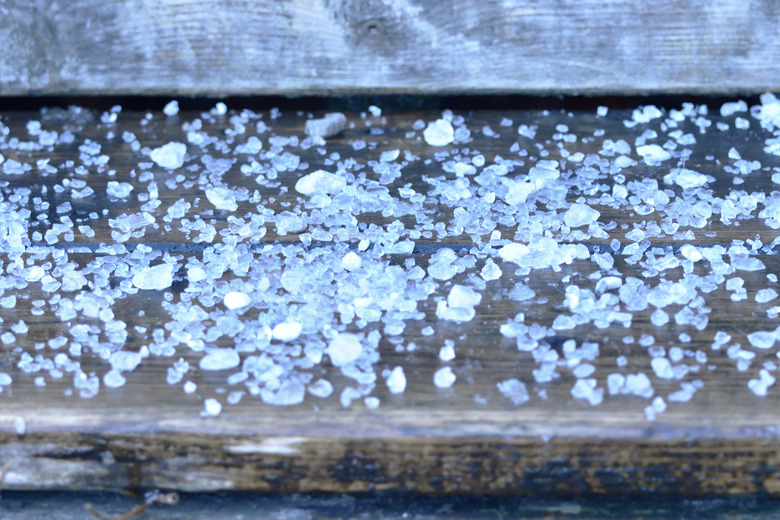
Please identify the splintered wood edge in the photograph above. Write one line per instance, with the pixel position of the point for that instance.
(477, 452)
(189, 47)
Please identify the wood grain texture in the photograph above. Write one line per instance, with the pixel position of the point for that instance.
(295, 47)
(468, 438)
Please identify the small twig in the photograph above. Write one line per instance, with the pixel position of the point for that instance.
(4, 472)
(151, 498)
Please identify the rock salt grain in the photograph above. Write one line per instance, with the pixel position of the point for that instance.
(396, 381)
(439, 133)
(287, 331)
(220, 359)
(327, 126)
(211, 408)
(320, 181)
(222, 198)
(514, 390)
(580, 215)
(170, 155)
(344, 348)
(444, 378)
(154, 278)
(236, 300)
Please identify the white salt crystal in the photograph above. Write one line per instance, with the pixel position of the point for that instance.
(5, 379)
(236, 299)
(762, 339)
(20, 426)
(222, 198)
(321, 388)
(211, 408)
(514, 390)
(396, 381)
(375, 110)
(172, 108)
(586, 389)
(685, 178)
(287, 331)
(459, 314)
(732, 107)
(579, 215)
(289, 393)
(690, 252)
(389, 155)
(513, 252)
(170, 155)
(662, 368)
(765, 295)
(439, 133)
(463, 297)
(344, 348)
(602, 111)
(759, 386)
(657, 406)
(327, 126)
(119, 190)
(351, 261)
(491, 271)
(154, 278)
(196, 274)
(444, 378)
(653, 154)
(371, 402)
(189, 387)
(114, 379)
(583, 370)
(659, 318)
(447, 353)
(123, 360)
(220, 359)
(320, 181)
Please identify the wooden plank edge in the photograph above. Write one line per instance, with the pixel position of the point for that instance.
(436, 465)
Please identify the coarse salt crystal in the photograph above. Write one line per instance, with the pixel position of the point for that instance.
(287, 331)
(320, 181)
(444, 378)
(154, 278)
(170, 155)
(344, 348)
(236, 299)
(439, 133)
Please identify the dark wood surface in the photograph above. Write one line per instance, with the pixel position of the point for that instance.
(244, 47)
(468, 438)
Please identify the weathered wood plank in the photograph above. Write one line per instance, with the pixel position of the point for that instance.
(344, 46)
(467, 438)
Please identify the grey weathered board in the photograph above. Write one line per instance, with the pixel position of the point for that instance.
(298, 47)
(468, 438)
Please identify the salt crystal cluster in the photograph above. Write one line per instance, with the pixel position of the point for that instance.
(291, 270)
